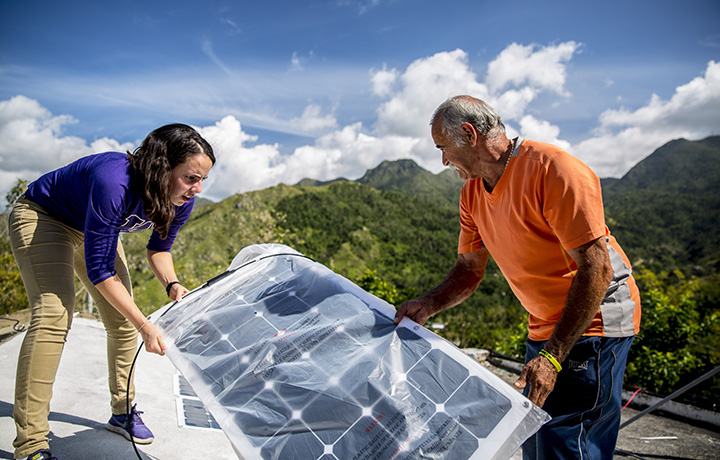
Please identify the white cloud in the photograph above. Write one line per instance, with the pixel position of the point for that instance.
(295, 62)
(32, 140)
(532, 128)
(312, 121)
(625, 137)
(512, 104)
(234, 28)
(363, 6)
(207, 49)
(383, 81)
(401, 130)
(542, 68)
(348, 153)
(239, 168)
(367, 5)
(424, 85)
(428, 81)
(694, 106)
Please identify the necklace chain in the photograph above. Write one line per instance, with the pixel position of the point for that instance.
(507, 162)
(512, 149)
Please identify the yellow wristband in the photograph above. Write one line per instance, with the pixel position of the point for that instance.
(552, 360)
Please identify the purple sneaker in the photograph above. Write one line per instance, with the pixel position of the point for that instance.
(140, 433)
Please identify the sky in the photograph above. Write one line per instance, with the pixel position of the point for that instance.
(322, 89)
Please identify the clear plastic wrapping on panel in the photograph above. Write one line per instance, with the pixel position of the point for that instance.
(296, 362)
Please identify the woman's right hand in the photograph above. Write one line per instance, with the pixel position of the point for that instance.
(177, 291)
(153, 339)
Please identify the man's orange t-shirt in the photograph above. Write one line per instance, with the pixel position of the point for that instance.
(546, 202)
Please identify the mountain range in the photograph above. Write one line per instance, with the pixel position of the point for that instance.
(667, 207)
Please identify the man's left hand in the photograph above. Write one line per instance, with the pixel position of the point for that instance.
(541, 375)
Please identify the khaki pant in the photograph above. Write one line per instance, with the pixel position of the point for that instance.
(48, 254)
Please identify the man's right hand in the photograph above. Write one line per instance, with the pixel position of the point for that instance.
(417, 310)
(540, 374)
(460, 283)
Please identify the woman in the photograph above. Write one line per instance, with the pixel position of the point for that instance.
(68, 221)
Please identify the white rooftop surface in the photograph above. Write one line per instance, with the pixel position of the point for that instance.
(80, 407)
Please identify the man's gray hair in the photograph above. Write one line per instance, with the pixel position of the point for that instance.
(466, 109)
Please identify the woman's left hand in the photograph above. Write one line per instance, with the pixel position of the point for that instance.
(153, 339)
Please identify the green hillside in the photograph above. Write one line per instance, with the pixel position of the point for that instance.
(407, 177)
(352, 228)
(666, 210)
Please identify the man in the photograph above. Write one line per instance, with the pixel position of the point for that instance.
(538, 211)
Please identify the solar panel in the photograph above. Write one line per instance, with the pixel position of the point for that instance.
(296, 362)
(191, 413)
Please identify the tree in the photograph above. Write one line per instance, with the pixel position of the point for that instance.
(665, 355)
(12, 290)
(372, 283)
(15, 192)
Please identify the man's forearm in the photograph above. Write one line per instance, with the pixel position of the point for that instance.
(462, 281)
(583, 301)
(587, 290)
(460, 284)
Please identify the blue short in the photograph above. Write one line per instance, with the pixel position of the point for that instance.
(585, 404)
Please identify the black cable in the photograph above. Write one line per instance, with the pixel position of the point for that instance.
(17, 327)
(495, 354)
(128, 417)
(629, 454)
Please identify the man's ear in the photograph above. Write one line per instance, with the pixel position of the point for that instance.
(470, 133)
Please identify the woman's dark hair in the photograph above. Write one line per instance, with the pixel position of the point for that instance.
(152, 164)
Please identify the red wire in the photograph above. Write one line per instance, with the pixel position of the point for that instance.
(631, 398)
